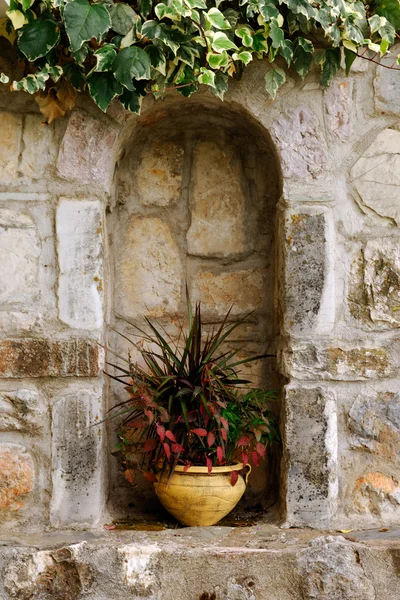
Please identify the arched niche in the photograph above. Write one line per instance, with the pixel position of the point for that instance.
(196, 195)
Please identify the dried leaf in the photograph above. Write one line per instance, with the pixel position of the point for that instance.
(129, 474)
(49, 106)
(66, 94)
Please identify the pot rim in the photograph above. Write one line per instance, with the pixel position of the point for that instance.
(204, 470)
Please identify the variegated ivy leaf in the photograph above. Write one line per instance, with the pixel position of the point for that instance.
(103, 88)
(196, 4)
(218, 61)
(273, 81)
(244, 56)
(188, 54)
(31, 83)
(84, 21)
(105, 57)
(123, 17)
(38, 38)
(157, 59)
(216, 19)
(163, 11)
(220, 85)
(375, 22)
(159, 31)
(4, 78)
(221, 42)
(207, 77)
(245, 33)
(17, 18)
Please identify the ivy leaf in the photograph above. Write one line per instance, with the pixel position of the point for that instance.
(245, 33)
(330, 64)
(244, 56)
(84, 21)
(387, 32)
(220, 85)
(207, 77)
(302, 56)
(389, 9)
(217, 61)
(269, 11)
(222, 42)
(131, 63)
(17, 18)
(349, 58)
(217, 19)
(7, 30)
(286, 50)
(159, 31)
(103, 88)
(131, 101)
(38, 38)
(187, 54)
(145, 7)
(273, 81)
(123, 17)
(105, 57)
(157, 58)
(276, 34)
(4, 78)
(196, 4)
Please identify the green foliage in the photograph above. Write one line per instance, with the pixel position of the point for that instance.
(184, 43)
(187, 405)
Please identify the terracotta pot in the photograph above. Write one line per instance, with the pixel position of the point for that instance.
(199, 498)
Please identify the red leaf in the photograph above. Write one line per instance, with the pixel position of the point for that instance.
(225, 423)
(187, 465)
(245, 458)
(199, 431)
(234, 477)
(177, 448)
(209, 464)
(224, 435)
(244, 441)
(129, 474)
(149, 475)
(220, 454)
(149, 445)
(167, 450)
(210, 439)
(260, 449)
(170, 436)
(161, 432)
(149, 414)
(254, 458)
(110, 527)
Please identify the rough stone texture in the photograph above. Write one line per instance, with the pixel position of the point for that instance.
(307, 273)
(382, 280)
(338, 106)
(10, 143)
(218, 201)
(301, 147)
(158, 176)
(12, 322)
(80, 226)
(78, 469)
(40, 151)
(241, 291)
(387, 86)
(306, 361)
(19, 257)
(46, 358)
(16, 476)
(87, 151)
(310, 455)
(148, 269)
(377, 493)
(20, 411)
(376, 175)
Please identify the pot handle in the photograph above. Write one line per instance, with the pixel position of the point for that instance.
(246, 477)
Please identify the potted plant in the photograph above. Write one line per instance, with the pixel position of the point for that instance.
(190, 424)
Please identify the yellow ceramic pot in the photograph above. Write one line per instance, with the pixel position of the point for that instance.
(200, 498)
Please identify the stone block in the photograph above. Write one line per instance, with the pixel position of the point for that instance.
(300, 145)
(17, 474)
(376, 175)
(387, 85)
(241, 291)
(148, 269)
(39, 150)
(19, 257)
(10, 145)
(338, 107)
(306, 361)
(310, 455)
(13, 322)
(378, 494)
(80, 226)
(158, 176)
(88, 150)
(220, 217)
(78, 464)
(46, 358)
(20, 411)
(374, 424)
(308, 284)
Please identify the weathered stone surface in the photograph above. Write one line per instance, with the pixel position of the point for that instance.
(301, 148)
(382, 280)
(305, 263)
(374, 423)
(242, 291)
(387, 86)
(12, 322)
(20, 411)
(139, 567)
(10, 143)
(310, 455)
(39, 152)
(46, 358)
(80, 226)
(148, 269)
(88, 150)
(377, 493)
(78, 468)
(220, 215)
(306, 361)
(158, 176)
(332, 570)
(16, 476)
(338, 106)
(19, 257)
(376, 175)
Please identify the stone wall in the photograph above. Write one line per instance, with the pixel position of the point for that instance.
(334, 312)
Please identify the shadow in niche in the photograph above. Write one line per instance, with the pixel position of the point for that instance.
(197, 189)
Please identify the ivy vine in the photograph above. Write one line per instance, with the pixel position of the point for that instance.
(129, 49)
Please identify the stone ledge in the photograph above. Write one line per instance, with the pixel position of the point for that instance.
(210, 563)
